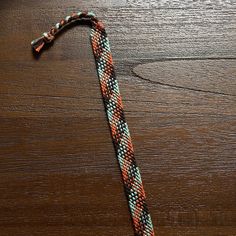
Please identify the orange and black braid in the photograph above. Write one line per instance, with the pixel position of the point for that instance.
(115, 113)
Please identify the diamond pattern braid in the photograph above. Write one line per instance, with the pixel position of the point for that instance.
(134, 190)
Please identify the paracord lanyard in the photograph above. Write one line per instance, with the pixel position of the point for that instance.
(134, 190)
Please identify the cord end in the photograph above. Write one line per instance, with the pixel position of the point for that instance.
(38, 44)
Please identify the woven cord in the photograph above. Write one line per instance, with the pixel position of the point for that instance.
(134, 190)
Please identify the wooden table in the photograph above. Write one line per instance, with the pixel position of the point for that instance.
(176, 66)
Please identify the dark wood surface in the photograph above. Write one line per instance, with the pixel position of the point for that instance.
(176, 66)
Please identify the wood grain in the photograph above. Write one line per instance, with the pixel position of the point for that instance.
(175, 64)
(209, 76)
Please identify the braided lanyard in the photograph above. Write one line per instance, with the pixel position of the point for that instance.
(134, 190)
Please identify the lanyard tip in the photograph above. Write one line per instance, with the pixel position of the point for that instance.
(38, 44)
